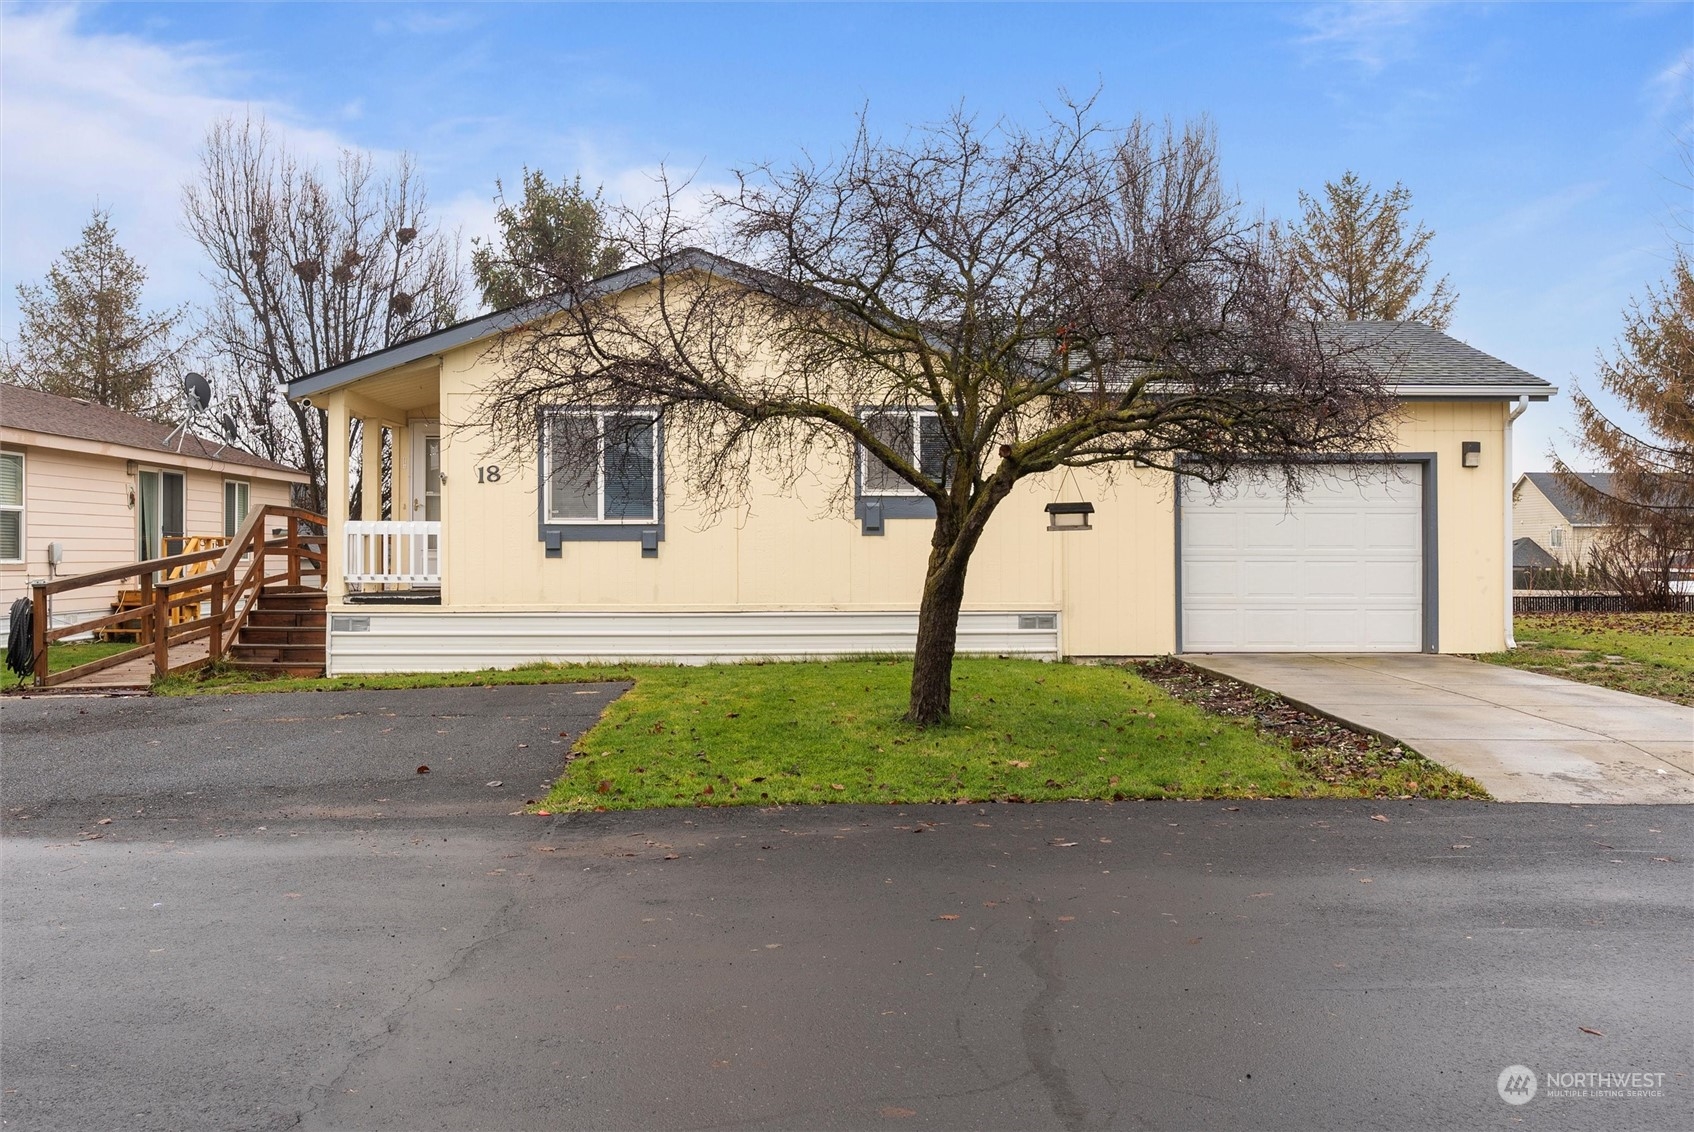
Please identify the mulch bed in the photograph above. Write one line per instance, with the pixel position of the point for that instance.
(1329, 750)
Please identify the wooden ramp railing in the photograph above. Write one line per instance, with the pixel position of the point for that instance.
(228, 578)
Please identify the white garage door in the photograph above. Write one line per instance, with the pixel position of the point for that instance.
(1339, 569)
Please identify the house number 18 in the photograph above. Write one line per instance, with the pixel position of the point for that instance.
(488, 473)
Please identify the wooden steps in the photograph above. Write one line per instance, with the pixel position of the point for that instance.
(284, 635)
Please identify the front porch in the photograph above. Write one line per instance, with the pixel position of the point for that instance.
(383, 465)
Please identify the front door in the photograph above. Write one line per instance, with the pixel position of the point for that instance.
(426, 487)
(159, 513)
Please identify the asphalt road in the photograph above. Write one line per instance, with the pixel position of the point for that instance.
(298, 930)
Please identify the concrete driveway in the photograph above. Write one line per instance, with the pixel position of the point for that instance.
(1526, 737)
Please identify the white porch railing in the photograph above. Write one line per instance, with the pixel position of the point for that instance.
(394, 552)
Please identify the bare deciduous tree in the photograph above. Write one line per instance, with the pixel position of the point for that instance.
(309, 272)
(1064, 297)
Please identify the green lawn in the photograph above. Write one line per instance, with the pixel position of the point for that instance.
(1021, 731)
(1650, 654)
(61, 657)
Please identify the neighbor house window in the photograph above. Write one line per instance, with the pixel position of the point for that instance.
(237, 495)
(602, 467)
(915, 437)
(11, 507)
(1556, 538)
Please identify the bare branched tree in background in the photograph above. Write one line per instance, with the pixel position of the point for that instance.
(1354, 258)
(1065, 297)
(1648, 501)
(309, 272)
(83, 332)
(550, 240)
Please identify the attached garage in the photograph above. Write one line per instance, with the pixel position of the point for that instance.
(1344, 567)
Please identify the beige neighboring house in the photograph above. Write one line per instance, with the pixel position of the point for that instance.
(85, 488)
(1549, 514)
(493, 560)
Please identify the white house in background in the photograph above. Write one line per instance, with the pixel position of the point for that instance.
(85, 488)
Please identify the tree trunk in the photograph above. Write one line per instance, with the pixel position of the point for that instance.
(938, 637)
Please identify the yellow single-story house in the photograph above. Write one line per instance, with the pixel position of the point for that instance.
(484, 561)
(86, 488)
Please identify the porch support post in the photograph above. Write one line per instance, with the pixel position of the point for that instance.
(370, 469)
(337, 469)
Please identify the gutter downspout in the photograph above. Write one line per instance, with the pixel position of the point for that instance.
(1523, 403)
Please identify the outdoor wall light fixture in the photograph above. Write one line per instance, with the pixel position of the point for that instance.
(1470, 453)
(1069, 516)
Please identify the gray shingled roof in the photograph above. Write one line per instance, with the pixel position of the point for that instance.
(1413, 355)
(52, 415)
(1527, 554)
(1572, 506)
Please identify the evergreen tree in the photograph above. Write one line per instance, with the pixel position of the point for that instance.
(1354, 258)
(82, 332)
(554, 237)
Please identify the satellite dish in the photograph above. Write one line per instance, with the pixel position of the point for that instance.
(198, 388)
(227, 423)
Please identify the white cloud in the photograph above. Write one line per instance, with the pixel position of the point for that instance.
(114, 120)
(1671, 90)
(1368, 35)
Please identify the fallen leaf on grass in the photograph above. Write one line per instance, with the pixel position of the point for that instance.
(836, 786)
(1586, 1030)
(1021, 764)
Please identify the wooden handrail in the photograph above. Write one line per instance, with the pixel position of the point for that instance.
(232, 597)
(117, 573)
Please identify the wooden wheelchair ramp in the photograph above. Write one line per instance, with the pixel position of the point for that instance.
(256, 603)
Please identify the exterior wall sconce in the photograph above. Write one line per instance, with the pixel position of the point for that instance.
(130, 467)
(1470, 453)
(1069, 516)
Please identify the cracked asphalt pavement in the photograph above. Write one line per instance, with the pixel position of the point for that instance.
(284, 925)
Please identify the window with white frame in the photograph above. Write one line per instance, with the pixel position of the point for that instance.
(602, 467)
(237, 496)
(1556, 537)
(915, 436)
(11, 507)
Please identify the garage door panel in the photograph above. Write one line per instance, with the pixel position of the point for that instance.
(1338, 569)
(1327, 582)
(1333, 629)
(1262, 579)
(1211, 579)
(1213, 530)
(1387, 581)
(1337, 530)
(1266, 629)
(1394, 625)
(1402, 531)
(1263, 530)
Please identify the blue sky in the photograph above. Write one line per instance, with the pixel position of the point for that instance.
(1538, 140)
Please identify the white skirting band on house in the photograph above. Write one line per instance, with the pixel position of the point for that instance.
(366, 641)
